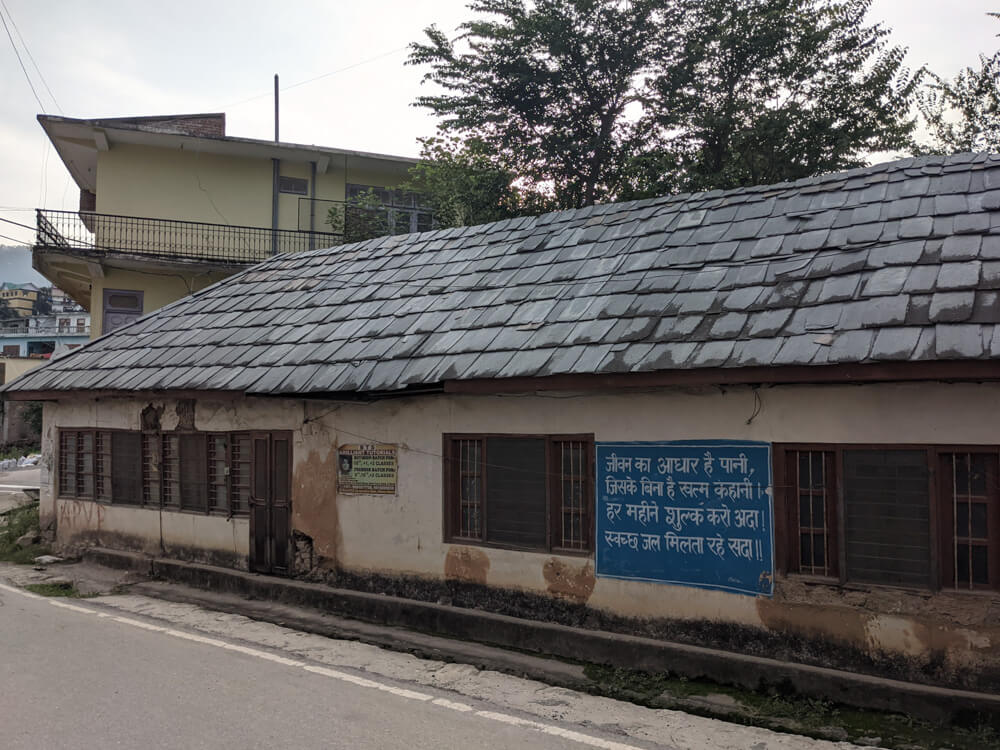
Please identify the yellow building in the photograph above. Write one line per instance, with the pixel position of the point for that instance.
(170, 205)
(21, 298)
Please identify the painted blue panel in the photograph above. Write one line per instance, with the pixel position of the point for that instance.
(695, 513)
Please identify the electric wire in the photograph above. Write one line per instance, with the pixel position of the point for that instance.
(31, 57)
(317, 78)
(21, 62)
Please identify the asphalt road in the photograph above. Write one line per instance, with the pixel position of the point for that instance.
(94, 679)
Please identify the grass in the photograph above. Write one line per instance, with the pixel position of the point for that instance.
(13, 525)
(783, 711)
(18, 451)
(56, 589)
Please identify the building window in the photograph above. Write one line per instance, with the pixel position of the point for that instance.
(970, 519)
(12, 350)
(83, 466)
(898, 528)
(520, 491)
(197, 472)
(121, 307)
(239, 473)
(812, 517)
(294, 185)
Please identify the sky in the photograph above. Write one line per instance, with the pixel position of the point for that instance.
(341, 63)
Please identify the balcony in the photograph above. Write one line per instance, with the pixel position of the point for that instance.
(168, 239)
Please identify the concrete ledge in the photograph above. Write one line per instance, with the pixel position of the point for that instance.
(576, 644)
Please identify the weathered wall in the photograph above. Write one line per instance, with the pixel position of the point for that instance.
(396, 542)
(160, 287)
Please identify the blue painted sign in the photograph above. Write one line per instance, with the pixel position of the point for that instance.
(695, 513)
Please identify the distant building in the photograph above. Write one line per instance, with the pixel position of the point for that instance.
(21, 298)
(43, 335)
(171, 204)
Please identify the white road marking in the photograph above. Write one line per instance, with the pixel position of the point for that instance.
(537, 726)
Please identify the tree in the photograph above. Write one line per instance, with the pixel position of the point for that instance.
(763, 91)
(544, 88)
(462, 186)
(595, 100)
(963, 114)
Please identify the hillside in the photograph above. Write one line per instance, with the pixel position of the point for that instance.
(15, 266)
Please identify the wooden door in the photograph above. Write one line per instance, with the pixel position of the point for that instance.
(270, 503)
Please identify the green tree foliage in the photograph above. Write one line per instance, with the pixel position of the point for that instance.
(462, 186)
(594, 100)
(763, 91)
(362, 217)
(544, 87)
(963, 114)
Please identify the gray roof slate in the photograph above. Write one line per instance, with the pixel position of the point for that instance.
(899, 261)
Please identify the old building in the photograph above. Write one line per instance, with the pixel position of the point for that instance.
(171, 204)
(762, 419)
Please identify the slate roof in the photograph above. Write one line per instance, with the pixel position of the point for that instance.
(895, 262)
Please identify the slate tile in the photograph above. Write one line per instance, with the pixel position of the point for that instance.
(885, 281)
(711, 354)
(485, 365)
(676, 329)
(786, 293)
(797, 350)
(851, 346)
(563, 360)
(987, 307)
(971, 223)
(633, 329)
(921, 279)
(958, 275)
(755, 352)
(922, 226)
(990, 248)
(959, 341)
(839, 288)
(896, 343)
(728, 326)
(952, 307)
(897, 253)
(722, 251)
(767, 246)
(950, 204)
(768, 322)
(742, 298)
(990, 275)
(672, 356)
(526, 363)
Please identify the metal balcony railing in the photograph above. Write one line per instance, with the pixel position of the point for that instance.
(171, 239)
(13, 329)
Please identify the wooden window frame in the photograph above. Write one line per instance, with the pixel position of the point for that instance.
(942, 539)
(152, 488)
(451, 482)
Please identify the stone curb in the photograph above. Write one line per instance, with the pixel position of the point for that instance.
(576, 644)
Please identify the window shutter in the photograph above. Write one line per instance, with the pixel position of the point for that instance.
(126, 467)
(887, 508)
(193, 454)
(516, 511)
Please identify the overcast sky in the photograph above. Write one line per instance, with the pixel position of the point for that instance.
(128, 57)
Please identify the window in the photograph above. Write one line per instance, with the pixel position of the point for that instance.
(520, 491)
(12, 350)
(970, 520)
(121, 307)
(239, 473)
(295, 185)
(196, 472)
(812, 518)
(915, 516)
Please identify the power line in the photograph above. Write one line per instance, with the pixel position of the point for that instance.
(30, 56)
(24, 70)
(316, 78)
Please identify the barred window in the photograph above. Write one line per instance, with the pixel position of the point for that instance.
(520, 491)
(195, 472)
